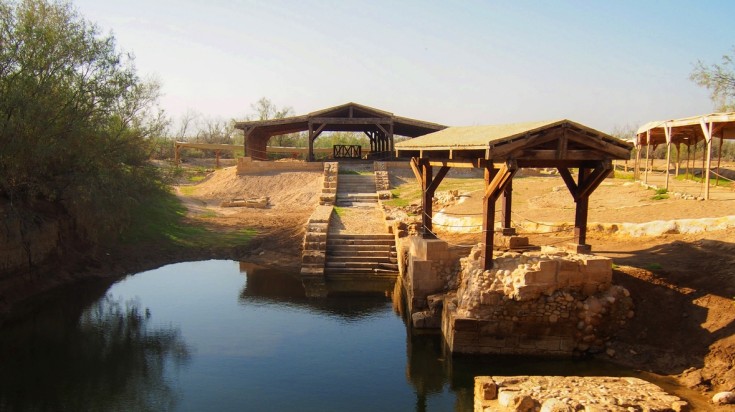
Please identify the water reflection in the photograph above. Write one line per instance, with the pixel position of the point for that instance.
(249, 340)
(107, 358)
(268, 286)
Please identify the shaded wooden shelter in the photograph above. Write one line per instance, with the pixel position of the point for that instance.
(687, 131)
(503, 149)
(380, 127)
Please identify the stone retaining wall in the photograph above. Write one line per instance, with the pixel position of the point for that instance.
(537, 303)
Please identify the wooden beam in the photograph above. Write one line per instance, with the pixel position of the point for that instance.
(552, 154)
(600, 145)
(353, 120)
(438, 179)
(467, 164)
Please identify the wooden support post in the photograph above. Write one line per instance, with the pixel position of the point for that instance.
(719, 158)
(581, 191)
(637, 166)
(310, 156)
(667, 131)
(648, 151)
(507, 210)
(216, 159)
(177, 154)
(678, 159)
(495, 183)
(707, 130)
(488, 219)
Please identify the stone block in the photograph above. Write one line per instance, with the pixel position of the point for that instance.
(589, 288)
(550, 344)
(465, 325)
(436, 249)
(485, 389)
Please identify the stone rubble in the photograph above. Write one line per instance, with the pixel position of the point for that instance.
(546, 302)
(571, 393)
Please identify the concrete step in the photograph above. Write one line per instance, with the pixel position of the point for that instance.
(362, 265)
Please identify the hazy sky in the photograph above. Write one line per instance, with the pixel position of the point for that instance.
(605, 64)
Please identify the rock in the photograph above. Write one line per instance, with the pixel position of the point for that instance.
(610, 352)
(724, 398)
(555, 405)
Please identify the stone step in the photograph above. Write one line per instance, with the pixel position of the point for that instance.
(361, 253)
(358, 271)
(381, 236)
(357, 196)
(365, 204)
(369, 259)
(359, 241)
(360, 248)
(361, 264)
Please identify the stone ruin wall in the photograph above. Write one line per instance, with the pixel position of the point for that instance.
(542, 303)
(314, 246)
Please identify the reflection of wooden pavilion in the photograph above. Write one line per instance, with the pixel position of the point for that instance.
(380, 127)
(501, 150)
(688, 131)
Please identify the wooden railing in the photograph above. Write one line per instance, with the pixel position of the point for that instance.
(341, 151)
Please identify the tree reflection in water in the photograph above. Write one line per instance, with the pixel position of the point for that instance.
(109, 359)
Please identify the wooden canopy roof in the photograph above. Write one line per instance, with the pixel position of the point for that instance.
(348, 117)
(687, 130)
(501, 150)
(380, 127)
(533, 144)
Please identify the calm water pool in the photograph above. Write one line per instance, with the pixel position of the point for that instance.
(220, 335)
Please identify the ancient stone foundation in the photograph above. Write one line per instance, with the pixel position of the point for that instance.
(546, 302)
(430, 269)
(571, 393)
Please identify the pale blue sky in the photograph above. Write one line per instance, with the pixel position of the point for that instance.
(605, 64)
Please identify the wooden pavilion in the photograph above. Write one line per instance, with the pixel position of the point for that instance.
(688, 131)
(380, 127)
(501, 150)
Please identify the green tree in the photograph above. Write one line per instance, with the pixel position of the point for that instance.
(719, 79)
(75, 118)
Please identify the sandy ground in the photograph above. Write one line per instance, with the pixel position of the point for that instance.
(683, 285)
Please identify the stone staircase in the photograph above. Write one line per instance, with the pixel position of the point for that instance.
(355, 256)
(357, 191)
